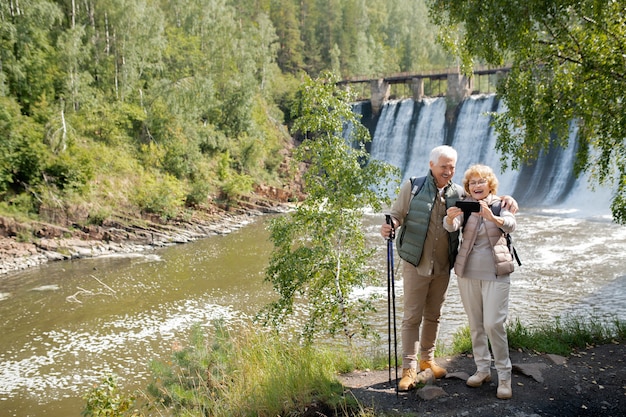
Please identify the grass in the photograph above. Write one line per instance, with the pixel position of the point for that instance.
(252, 372)
(565, 334)
(561, 336)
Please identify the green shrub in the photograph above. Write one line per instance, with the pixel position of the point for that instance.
(22, 151)
(72, 169)
(107, 400)
(198, 193)
(99, 216)
(20, 206)
(237, 185)
(162, 195)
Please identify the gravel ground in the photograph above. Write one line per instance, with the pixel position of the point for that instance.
(590, 382)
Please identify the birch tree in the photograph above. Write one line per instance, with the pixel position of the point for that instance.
(320, 255)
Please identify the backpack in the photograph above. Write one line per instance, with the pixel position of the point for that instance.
(416, 186)
(495, 208)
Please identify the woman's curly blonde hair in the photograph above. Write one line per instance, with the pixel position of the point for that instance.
(482, 171)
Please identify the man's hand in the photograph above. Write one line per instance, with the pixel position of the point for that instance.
(509, 203)
(388, 229)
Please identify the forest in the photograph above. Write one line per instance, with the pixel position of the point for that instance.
(134, 107)
(121, 108)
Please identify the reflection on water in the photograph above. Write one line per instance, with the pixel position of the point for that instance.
(65, 325)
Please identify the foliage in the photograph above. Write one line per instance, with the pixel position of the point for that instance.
(567, 64)
(199, 90)
(244, 373)
(560, 336)
(237, 185)
(565, 334)
(355, 37)
(160, 195)
(106, 399)
(23, 153)
(319, 253)
(73, 169)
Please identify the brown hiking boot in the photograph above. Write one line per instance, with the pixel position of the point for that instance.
(438, 371)
(408, 381)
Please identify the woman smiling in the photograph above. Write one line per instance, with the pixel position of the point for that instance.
(483, 267)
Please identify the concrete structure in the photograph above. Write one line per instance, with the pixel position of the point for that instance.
(380, 90)
(457, 86)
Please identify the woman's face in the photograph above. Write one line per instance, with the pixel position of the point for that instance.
(478, 187)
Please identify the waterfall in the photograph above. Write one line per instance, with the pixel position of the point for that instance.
(405, 132)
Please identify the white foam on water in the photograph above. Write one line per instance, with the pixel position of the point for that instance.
(147, 257)
(52, 287)
(52, 371)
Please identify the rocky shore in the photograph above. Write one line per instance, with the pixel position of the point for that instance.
(27, 244)
(589, 382)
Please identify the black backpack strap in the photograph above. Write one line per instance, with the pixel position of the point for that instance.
(416, 185)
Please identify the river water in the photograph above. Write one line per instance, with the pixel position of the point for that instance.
(65, 325)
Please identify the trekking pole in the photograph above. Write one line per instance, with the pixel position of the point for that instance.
(389, 278)
(391, 301)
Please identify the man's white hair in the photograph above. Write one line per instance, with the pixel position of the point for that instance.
(443, 150)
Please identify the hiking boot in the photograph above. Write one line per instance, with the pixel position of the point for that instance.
(409, 379)
(478, 378)
(438, 371)
(504, 389)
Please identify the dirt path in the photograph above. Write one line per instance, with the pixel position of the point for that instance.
(590, 382)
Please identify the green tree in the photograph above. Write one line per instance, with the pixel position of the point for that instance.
(73, 56)
(320, 254)
(23, 153)
(27, 55)
(285, 20)
(138, 42)
(567, 59)
(411, 37)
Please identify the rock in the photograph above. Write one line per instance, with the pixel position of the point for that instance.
(54, 256)
(458, 375)
(557, 359)
(425, 377)
(430, 392)
(531, 369)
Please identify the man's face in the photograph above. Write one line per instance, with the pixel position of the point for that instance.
(443, 170)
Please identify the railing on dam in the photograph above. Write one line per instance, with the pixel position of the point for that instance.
(449, 83)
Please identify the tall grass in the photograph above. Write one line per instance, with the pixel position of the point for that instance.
(559, 336)
(565, 334)
(249, 373)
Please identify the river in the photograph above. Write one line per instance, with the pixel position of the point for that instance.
(67, 324)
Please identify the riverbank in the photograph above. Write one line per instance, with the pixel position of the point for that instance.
(27, 244)
(589, 382)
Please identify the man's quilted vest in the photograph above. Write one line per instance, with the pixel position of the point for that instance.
(410, 243)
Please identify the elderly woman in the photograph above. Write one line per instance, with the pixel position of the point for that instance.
(483, 267)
